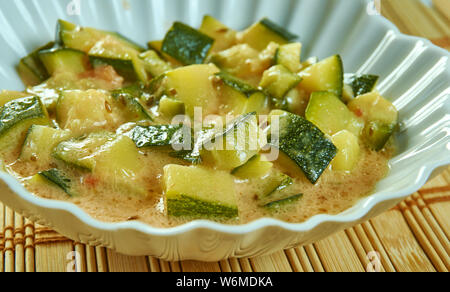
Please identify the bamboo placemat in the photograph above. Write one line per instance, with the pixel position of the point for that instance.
(414, 236)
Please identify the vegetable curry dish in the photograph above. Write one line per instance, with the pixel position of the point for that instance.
(208, 123)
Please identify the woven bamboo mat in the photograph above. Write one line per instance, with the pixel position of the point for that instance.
(414, 236)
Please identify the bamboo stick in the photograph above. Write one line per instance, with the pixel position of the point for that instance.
(294, 261)
(422, 238)
(154, 265)
(271, 263)
(303, 259)
(235, 266)
(29, 246)
(399, 242)
(337, 254)
(314, 258)
(195, 266)
(122, 263)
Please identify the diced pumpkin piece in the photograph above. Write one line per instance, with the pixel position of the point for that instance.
(192, 192)
(348, 151)
(331, 115)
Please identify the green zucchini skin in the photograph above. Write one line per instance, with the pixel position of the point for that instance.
(60, 179)
(278, 29)
(161, 135)
(187, 45)
(133, 98)
(63, 59)
(64, 27)
(31, 69)
(306, 145)
(237, 84)
(187, 156)
(124, 68)
(276, 205)
(77, 152)
(187, 207)
(362, 84)
(19, 115)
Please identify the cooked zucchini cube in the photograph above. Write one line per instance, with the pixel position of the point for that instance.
(331, 115)
(160, 135)
(80, 152)
(71, 113)
(303, 143)
(170, 107)
(239, 97)
(256, 167)
(380, 115)
(240, 60)
(63, 60)
(57, 178)
(224, 36)
(31, 70)
(187, 45)
(39, 144)
(194, 87)
(264, 32)
(282, 203)
(348, 151)
(362, 84)
(8, 95)
(119, 166)
(278, 81)
(237, 84)
(238, 144)
(192, 192)
(130, 100)
(326, 75)
(72, 36)
(125, 60)
(289, 56)
(153, 63)
(16, 117)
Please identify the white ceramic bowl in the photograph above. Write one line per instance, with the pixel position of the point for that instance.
(415, 75)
